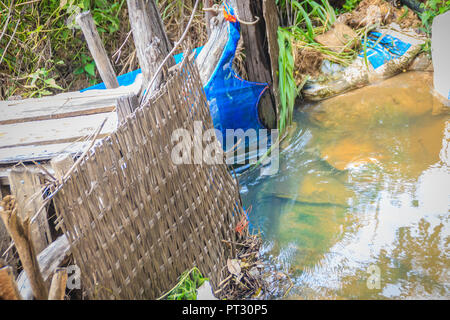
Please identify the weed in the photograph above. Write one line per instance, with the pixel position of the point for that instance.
(432, 8)
(287, 87)
(349, 5)
(186, 288)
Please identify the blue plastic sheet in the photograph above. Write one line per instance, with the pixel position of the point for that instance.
(129, 78)
(233, 101)
(388, 48)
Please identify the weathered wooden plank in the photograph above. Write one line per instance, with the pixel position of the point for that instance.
(64, 105)
(39, 152)
(55, 130)
(98, 52)
(211, 53)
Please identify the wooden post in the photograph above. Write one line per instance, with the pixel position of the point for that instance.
(125, 106)
(20, 232)
(61, 164)
(8, 286)
(257, 59)
(27, 188)
(150, 39)
(272, 23)
(208, 15)
(49, 260)
(104, 66)
(58, 287)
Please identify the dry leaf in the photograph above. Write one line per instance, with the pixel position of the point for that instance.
(234, 266)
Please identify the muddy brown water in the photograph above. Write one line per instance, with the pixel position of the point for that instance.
(359, 208)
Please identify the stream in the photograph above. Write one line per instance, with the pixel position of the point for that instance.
(359, 208)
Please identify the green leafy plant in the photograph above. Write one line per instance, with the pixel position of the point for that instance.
(186, 288)
(87, 67)
(288, 88)
(432, 8)
(41, 83)
(349, 5)
(35, 33)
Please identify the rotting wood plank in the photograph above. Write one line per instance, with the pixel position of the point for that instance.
(55, 130)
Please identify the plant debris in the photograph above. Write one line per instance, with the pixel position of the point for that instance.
(244, 278)
(370, 12)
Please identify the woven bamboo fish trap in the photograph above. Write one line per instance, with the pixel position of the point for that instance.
(135, 221)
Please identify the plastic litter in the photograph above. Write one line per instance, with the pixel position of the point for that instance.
(389, 51)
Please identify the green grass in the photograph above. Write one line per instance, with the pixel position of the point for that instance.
(186, 288)
(287, 86)
(42, 50)
(432, 8)
(349, 5)
(46, 50)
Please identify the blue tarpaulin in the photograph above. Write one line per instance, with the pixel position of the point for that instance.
(128, 78)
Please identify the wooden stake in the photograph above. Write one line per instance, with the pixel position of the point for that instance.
(58, 286)
(257, 59)
(8, 286)
(49, 261)
(104, 66)
(125, 106)
(27, 189)
(20, 232)
(150, 39)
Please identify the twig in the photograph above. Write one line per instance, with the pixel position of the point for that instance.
(119, 51)
(7, 21)
(9, 42)
(28, 2)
